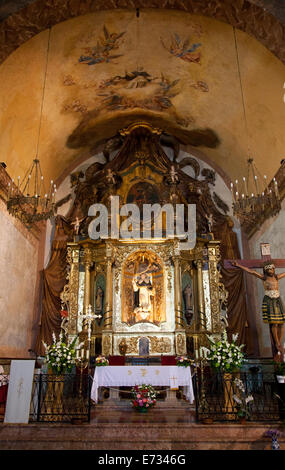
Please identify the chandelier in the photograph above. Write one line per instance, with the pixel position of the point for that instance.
(253, 197)
(29, 201)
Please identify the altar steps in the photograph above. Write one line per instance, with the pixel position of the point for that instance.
(122, 430)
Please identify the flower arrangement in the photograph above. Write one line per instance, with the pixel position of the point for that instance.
(60, 356)
(242, 400)
(101, 361)
(183, 361)
(144, 397)
(224, 355)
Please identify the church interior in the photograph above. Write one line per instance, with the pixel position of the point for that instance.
(109, 105)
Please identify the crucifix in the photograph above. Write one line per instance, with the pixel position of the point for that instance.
(273, 310)
(89, 317)
(174, 387)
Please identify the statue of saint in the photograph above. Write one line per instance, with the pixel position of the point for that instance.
(143, 297)
(187, 297)
(99, 300)
(273, 312)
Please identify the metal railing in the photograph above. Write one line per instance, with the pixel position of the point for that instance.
(214, 396)
(61, 399)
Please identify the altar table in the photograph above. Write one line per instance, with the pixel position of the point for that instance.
(126, 376)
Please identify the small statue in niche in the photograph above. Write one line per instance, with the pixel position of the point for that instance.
(188, 301)
(110, 177)
(210, 222)
(99, 300)
(223, 300)
(76, 224)
(173, 175)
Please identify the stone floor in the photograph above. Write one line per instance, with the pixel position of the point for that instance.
(121, 429)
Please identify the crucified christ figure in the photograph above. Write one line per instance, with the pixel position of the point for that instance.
(273, 312)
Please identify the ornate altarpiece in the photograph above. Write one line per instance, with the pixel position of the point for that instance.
(154, 298)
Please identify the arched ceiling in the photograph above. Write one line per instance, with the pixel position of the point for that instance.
(22, 19)
(199, 98)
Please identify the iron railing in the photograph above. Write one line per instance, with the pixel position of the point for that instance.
(61, 399)
(214, 396)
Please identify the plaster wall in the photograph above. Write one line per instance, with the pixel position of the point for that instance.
(18, 281)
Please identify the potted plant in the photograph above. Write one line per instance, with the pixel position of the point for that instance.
(144, 397)
(243, 401)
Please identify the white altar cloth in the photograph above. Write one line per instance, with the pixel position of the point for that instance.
(126, 376)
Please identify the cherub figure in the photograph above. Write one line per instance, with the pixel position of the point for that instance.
(110, 177)
(273, 312)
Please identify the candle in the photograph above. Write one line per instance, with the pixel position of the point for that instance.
(87, 354)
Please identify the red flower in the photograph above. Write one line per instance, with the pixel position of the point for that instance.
(64, 313)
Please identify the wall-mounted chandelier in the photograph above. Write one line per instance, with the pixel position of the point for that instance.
(254, 196)
(254, 199)
(28, 200)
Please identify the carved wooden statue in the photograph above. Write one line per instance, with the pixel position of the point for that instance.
(273, 312)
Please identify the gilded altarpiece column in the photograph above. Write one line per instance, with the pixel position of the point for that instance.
(107, 336)
(214, 279)
(180, 336)
(73, 258)
(87, 262)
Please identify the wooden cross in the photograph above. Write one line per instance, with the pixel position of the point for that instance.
(258, 263)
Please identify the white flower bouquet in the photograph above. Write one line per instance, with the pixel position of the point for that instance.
(224, 355)
(243, 401)
(60, 356)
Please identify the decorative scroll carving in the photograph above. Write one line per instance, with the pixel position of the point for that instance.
(160, 345)
(180, 344)
(129, 345)
(107, 345)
